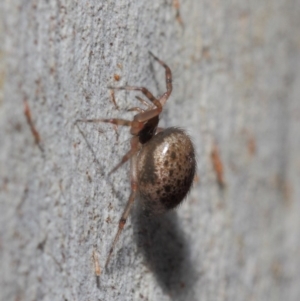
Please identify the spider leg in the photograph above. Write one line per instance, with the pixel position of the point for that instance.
(144, 102)
(178, 17)
(134, 187)
(144, 116)
(134, 148)
(166, 95)
(145, 91)
(112, 120)
(112, 94)
(137, 109)
(135, 125)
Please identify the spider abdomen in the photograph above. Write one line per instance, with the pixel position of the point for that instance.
(165, 170)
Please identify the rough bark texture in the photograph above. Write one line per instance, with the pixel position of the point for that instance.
(236, 69)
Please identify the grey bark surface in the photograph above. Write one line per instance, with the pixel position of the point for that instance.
(236, 75)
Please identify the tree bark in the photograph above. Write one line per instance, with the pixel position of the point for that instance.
(236, 77)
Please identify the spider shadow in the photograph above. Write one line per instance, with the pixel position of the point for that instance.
(117, 194)
(165, 251)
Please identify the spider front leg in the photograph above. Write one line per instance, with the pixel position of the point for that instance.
(115, 121)
(138, 109)
(166, 95)
(144, 90)
(144, 102)
(143, 116)
(135, 146)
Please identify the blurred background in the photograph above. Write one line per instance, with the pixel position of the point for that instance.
(236, 87)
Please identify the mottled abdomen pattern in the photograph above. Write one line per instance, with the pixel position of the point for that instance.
(166, 168)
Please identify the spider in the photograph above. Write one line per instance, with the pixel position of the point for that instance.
(162, 161)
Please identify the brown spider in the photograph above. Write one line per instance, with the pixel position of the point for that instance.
(162, 161)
